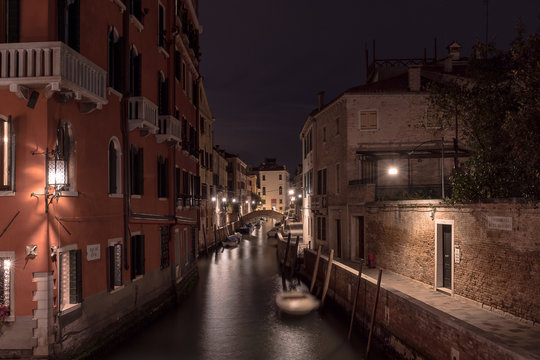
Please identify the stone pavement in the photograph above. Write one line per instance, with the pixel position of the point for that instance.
(517, 336)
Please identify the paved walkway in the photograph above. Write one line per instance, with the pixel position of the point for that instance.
(519, 337)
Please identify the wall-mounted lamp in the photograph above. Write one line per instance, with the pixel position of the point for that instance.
(213, 199)
(392, 170)
(56, 177)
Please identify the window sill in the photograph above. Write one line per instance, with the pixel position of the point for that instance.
(69, 193)
(118, 196)
(70, 308)
(111, 90)
(163, 51)
(163, 198)
(136, 22)
(7, 193)
(137, 278)
(116, 289)
(135, 196)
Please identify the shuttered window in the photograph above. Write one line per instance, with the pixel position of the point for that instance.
(137, 256)
(70, 278)
(6, 154)
(164, 231)
(163, 177)
(115, 60)
(5, 282)
(135, 73)
(112, 169)
(137, 171)
(68, 23)
(368, 120)
(9, 21)
(114, 258)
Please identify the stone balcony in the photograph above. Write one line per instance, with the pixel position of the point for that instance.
(142, 114)
(55, 67)
(169, 129)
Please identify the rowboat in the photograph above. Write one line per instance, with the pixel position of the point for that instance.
(296, 302)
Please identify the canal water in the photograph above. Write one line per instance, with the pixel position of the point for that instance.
(231, 314)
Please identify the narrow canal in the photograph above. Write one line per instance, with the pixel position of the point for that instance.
(231, 314)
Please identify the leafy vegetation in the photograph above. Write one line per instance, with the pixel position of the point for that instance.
(496, 106)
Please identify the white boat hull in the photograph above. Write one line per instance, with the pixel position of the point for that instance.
(296, 302)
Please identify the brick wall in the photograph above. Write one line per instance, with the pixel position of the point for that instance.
(498, 268)
(436, 335)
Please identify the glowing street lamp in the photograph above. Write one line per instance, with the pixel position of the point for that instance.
(392, 170)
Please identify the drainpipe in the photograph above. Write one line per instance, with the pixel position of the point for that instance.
(125, 132)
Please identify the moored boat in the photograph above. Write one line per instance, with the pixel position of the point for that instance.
(296, 302)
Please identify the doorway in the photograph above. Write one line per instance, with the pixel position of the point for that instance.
(358, 236)
(444, 274)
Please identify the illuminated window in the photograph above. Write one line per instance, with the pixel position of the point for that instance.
(7, 155)
(368, 120)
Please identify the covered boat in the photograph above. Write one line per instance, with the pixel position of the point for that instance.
(296, 302)
(232, 240)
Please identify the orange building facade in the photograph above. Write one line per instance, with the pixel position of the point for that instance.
(99, 179)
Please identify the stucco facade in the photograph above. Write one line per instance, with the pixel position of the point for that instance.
(89, 87)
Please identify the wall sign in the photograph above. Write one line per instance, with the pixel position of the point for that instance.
(499, 222)
(93, 252)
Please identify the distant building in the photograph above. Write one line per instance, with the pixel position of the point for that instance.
(274, 185)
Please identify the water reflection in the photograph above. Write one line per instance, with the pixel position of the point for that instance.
(232, 315)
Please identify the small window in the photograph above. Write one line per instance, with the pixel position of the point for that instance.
(7, 154)
(280, 190)
(114, 259)
(280, 177)
(281, 201)
(264, 177)
(264, 190)
(70, 274)
(324, 134)
(137, 256)
(115, 170)
(368, 120)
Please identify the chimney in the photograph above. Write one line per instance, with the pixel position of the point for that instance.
(321, 100)
(415, 79)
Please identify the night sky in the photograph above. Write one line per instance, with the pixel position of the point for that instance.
(264, 61)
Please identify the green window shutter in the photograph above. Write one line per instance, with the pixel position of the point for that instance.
(78, 279)
(75, 276)
(140, 175)
(117, 265)
(110, 265)
(133, 256)
(141, 255)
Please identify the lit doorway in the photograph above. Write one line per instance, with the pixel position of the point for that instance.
(444, 264)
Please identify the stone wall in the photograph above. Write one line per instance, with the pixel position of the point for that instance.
(498, 244)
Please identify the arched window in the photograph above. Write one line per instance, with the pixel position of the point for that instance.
(66, 151)
(115, 59)
(134, 72)
(7, 154)
(163, 94)
(115, 174)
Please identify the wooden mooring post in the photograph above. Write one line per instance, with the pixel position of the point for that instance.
(355, 301)
(373, 314)
(327, 277)
(315, 269)
(284, 266)
(293, 267)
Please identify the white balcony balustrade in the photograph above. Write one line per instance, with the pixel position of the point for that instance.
(143, 114)
(52, 65)
(169, 129)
